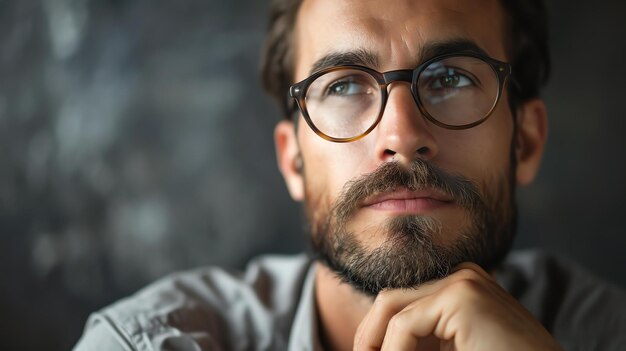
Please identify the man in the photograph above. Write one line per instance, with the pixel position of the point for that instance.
(409, 125)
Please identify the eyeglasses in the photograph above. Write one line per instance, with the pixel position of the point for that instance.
(454, 91)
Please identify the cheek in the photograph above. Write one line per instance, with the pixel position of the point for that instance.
(480, 153)
(329, 166)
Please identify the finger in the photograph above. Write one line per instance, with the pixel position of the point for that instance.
(371, 331)
(409, 328)
(361, 339)
(473, 267)
(473, 272)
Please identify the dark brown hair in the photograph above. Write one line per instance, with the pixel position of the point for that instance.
(527, 48)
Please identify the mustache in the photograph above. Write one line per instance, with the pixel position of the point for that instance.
(418, 175)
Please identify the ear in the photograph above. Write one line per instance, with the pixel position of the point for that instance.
(289, 158)
(532, 131)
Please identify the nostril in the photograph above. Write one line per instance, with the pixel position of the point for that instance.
(423, 150)
(389, 152)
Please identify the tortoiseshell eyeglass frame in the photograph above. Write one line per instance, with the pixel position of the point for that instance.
(298, 91)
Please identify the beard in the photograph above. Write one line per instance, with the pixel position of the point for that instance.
(412, 252)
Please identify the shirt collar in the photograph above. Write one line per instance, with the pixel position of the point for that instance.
(304, 334)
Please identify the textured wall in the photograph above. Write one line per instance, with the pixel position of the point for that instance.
(135, 141)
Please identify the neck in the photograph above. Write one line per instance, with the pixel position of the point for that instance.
(340, 309)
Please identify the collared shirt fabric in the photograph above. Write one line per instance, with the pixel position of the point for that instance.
(272, 307)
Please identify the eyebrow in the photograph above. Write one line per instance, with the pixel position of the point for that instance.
(365, 57)
(361, 57)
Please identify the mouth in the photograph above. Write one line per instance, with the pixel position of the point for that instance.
(405, 201)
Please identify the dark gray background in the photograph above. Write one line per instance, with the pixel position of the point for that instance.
(135, 141)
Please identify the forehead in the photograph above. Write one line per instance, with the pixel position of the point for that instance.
(395, 31)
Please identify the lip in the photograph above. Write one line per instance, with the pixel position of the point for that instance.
(408, 201)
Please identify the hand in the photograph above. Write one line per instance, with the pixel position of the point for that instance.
(465, 311)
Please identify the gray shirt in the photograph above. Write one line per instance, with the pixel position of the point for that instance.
(272, 307)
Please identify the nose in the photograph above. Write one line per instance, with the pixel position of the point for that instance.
(403, 135)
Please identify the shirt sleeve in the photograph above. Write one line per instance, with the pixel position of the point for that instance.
(100, 335)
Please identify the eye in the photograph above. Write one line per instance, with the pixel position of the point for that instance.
(347, 87)
(450, 79)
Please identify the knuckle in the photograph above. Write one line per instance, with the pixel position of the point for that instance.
(465, 288)
(383, 301)
(471, 270)
(467, 274)
(384, 295)
(399, 322)
(470, 265)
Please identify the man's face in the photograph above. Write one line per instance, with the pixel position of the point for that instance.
(411, 199)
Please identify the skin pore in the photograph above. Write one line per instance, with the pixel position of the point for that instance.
(396, 33)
